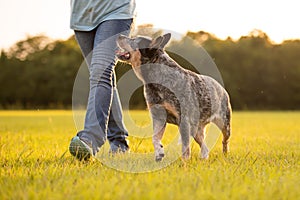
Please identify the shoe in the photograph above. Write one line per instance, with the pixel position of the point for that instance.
(80, 150)
(121, 148)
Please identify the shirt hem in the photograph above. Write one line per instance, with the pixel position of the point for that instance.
(92, 27)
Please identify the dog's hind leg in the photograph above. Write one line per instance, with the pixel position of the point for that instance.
(224, 124)
(159, 117)
(226, 130)
(199, 138)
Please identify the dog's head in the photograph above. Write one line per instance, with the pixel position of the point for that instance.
(139, 49)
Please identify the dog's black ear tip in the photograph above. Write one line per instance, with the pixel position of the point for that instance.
(168, 35)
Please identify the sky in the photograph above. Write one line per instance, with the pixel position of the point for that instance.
(223, 18)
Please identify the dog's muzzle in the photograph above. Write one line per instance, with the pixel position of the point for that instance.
(123, 55)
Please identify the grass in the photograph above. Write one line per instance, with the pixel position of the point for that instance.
(264, 162)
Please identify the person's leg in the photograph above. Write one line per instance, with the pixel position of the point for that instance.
(103, 115)
(117, 133)
(85, 40)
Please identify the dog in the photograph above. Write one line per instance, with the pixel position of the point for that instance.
(176, 95)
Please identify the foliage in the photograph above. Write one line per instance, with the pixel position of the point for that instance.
(36, 73)
(257, 73)
(40, 73)
(263, 162)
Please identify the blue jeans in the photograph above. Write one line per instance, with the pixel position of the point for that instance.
(103, 118)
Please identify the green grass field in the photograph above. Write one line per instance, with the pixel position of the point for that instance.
(264, 162)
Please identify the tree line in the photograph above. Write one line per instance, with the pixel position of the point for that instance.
(38, 73)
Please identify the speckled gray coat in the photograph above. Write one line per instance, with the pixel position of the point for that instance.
(176, 95)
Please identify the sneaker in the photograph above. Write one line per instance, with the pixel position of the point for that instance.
(80, 149)
(121, 148)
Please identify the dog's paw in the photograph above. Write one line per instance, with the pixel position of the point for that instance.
(204, 153)
(225, 149)
(159, 157)
(204, 157)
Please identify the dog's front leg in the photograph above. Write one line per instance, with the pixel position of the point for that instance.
(199, 138)
(185, 129)
(159, 117)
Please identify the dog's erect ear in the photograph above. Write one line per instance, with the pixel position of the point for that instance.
(160, 42)
(121, 40)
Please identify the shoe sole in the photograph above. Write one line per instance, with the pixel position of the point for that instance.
(79, 149)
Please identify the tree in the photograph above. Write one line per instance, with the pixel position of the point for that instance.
(39, 72)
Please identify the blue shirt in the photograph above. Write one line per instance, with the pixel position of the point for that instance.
(88, 14)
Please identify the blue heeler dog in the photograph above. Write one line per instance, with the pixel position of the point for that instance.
(176, 95)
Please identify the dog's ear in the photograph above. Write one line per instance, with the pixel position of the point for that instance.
(121, 40)
(166, 39)
(160, 42)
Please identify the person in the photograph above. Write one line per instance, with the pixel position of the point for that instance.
(97, 24)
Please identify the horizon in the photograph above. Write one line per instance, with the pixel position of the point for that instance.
(51, 39)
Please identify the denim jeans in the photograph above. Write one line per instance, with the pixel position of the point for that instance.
(103, 118)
